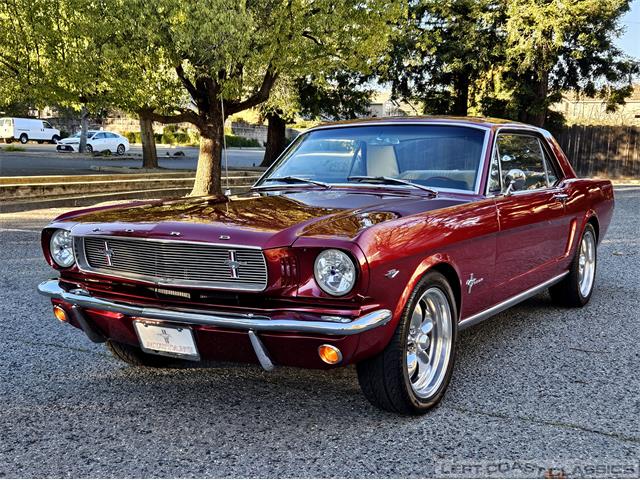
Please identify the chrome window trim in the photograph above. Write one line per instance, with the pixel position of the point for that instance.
(84, 267)
(481, 165)
(517, 130)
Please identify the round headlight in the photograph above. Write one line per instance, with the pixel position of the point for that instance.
(335, 272)
(61, 246)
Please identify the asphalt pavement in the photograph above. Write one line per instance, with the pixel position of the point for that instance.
(534, 387)
(45, 160)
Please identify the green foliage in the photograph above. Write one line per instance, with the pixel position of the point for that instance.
(234, 141)
(13, 148)
(509, 58)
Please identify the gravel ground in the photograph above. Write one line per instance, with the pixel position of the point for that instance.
(534, 387)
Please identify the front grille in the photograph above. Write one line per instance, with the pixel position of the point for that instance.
(174, 263)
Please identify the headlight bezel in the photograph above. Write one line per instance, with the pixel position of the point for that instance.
(344, 257)
(56, 244)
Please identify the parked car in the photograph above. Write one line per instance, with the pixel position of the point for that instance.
(25, 129)
(97, 141)
(370, 243)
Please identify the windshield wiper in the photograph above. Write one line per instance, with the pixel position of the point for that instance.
(290, 179)
(383, 179)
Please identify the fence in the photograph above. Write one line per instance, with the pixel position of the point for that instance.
(603, 151)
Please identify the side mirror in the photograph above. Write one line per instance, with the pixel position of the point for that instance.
(515, 180)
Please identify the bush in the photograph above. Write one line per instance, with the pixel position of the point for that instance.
(13, 148)
(235, 141)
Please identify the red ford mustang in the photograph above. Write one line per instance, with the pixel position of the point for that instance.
(369, 243)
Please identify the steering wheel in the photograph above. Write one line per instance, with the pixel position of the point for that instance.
(446, 179)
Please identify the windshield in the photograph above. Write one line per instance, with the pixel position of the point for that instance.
(437, 156)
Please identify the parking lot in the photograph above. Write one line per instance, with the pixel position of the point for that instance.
(44, 160)
(538, 385)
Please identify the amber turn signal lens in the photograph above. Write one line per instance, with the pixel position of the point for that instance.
(330, 354)
(60, 314)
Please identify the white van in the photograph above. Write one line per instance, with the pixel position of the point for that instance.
(25, 129)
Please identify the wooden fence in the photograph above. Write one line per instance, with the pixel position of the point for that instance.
(602, 151)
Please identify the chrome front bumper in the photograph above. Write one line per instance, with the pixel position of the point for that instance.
(248, 322)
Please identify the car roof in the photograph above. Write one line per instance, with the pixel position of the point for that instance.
(486, 122)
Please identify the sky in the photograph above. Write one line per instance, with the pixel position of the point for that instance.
(630, 40)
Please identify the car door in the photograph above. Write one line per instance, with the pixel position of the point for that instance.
(530, 204)
(48, 131)
(98, 142)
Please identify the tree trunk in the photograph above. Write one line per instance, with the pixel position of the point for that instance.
(276, 139)
(535, 112)
(461, 92)
(84, 126)
(208, 174)
(149, 152)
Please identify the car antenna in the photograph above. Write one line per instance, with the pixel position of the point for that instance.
(227, 191)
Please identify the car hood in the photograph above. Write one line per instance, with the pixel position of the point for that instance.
(267, 221)
(69, 141)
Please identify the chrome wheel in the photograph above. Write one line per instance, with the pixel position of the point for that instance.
(429, 342)
(587, 263)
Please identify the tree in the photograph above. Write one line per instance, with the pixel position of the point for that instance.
(442, 50)
(229, 54)
(554, 46)
(338, 96)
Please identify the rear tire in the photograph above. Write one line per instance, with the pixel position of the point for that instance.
(135, 356)
(412, 373)
(575, 289)
(24, 138)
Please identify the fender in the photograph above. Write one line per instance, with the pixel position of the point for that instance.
(423, 267)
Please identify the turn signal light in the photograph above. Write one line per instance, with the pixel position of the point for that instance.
(60, 314)
(330, 354)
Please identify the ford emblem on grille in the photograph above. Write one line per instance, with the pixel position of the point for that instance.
(108, 253)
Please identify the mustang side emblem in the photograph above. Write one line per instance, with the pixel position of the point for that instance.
(108, 253)
(233, 263)
(473, 281)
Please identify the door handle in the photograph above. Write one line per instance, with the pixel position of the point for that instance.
(562, 197)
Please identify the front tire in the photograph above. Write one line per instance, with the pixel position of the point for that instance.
(412, 373)
(55, 139)
(135, 356)
(575, 289)
(120, 150)
(88, 148)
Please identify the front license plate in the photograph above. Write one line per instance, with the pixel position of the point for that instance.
(162, 339)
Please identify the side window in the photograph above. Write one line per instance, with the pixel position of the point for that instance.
(98, 136)
(551, 168)
(495, 186)
(521, 154)
(47, 125)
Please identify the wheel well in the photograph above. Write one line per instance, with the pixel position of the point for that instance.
(452, 277)
(596, 226)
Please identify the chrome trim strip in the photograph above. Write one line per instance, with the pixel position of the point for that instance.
(82, 298)
(84, 267)
(161, 240)
(509, 302)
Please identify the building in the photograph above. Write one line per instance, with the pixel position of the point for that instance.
(592, 111)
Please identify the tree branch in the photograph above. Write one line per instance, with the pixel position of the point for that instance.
(193, 91)
(312, 38)
(184, 116)
(261, 95)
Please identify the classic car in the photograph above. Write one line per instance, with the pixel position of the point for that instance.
(368, 242)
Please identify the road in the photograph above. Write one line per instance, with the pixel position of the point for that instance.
(44, 160)
(537, 385)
